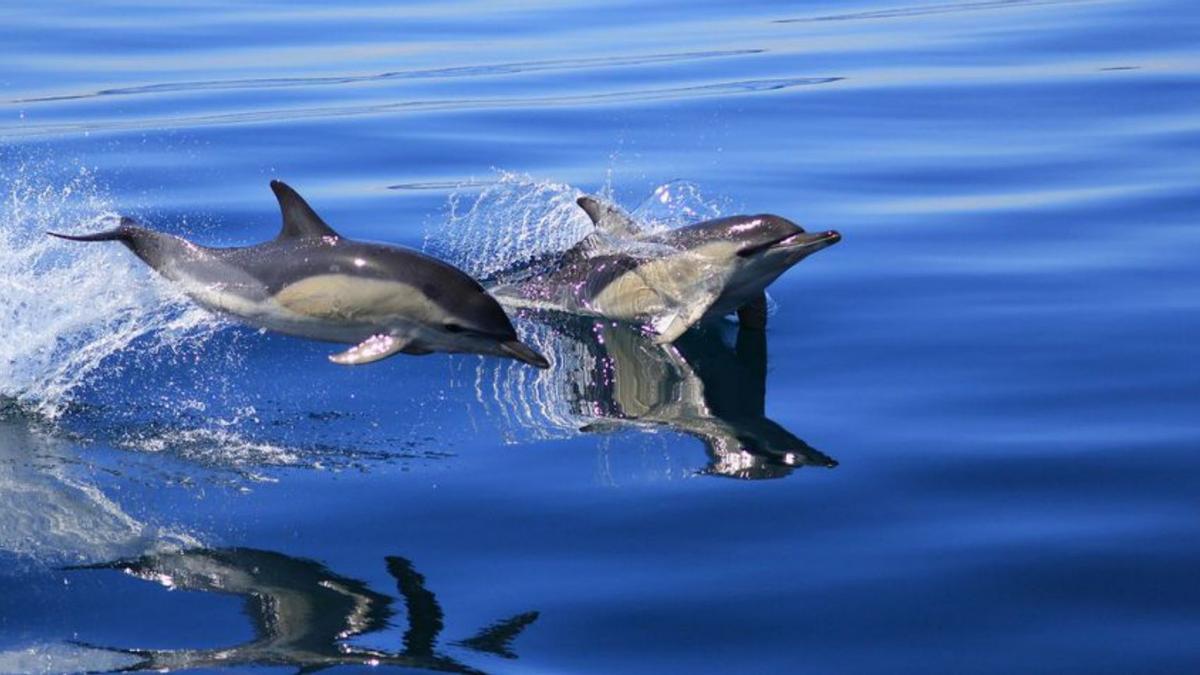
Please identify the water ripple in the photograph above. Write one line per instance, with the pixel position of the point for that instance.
(441, 185)
(248, 117)
(926, 10)
(426, 73)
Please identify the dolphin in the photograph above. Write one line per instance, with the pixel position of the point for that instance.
(304, 614)
(312, 282)
(668, 280)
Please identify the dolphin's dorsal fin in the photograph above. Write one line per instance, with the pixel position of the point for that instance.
(608, 218)
(299, 220)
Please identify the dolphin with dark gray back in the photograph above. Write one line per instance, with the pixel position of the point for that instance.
(312, 282)
(670, 280)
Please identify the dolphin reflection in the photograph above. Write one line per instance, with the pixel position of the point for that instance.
(303, 613)
(610, 377)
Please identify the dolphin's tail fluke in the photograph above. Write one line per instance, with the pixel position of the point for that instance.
(123, 233)
(109, 235)
(521, 352)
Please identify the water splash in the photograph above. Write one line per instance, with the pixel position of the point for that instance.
(68, 308)
(531, 404)
(517, 219)
(676, 204)
(511, 221)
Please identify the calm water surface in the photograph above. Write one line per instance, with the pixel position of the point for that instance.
(967, 442)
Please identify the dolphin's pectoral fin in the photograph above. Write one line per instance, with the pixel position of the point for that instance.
(608, 218)
(753, 314)
(299, 219)
(372, 349)
(670, 327)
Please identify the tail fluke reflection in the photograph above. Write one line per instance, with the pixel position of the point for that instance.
(497, 638)
(303, 614)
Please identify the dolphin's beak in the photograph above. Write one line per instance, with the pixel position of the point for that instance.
(520, 352)
(809, 242)
(801, 242)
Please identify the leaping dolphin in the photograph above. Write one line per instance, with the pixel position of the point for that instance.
(312, 282)
(670, 280)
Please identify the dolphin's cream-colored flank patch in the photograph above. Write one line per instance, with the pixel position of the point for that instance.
(669, 285)
(338, 297)
(628, 297)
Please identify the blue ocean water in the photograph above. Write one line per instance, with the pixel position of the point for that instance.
(967, 442)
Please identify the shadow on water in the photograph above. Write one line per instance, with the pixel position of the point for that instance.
(303, 614)
(612, 377)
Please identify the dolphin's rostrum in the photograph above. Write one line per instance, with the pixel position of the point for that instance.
(311, 282)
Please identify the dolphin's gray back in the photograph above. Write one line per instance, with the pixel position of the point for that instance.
(280, 263)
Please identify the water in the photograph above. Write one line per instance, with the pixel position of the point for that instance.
(966, 443)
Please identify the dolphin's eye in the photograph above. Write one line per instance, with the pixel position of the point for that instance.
(453, 328)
